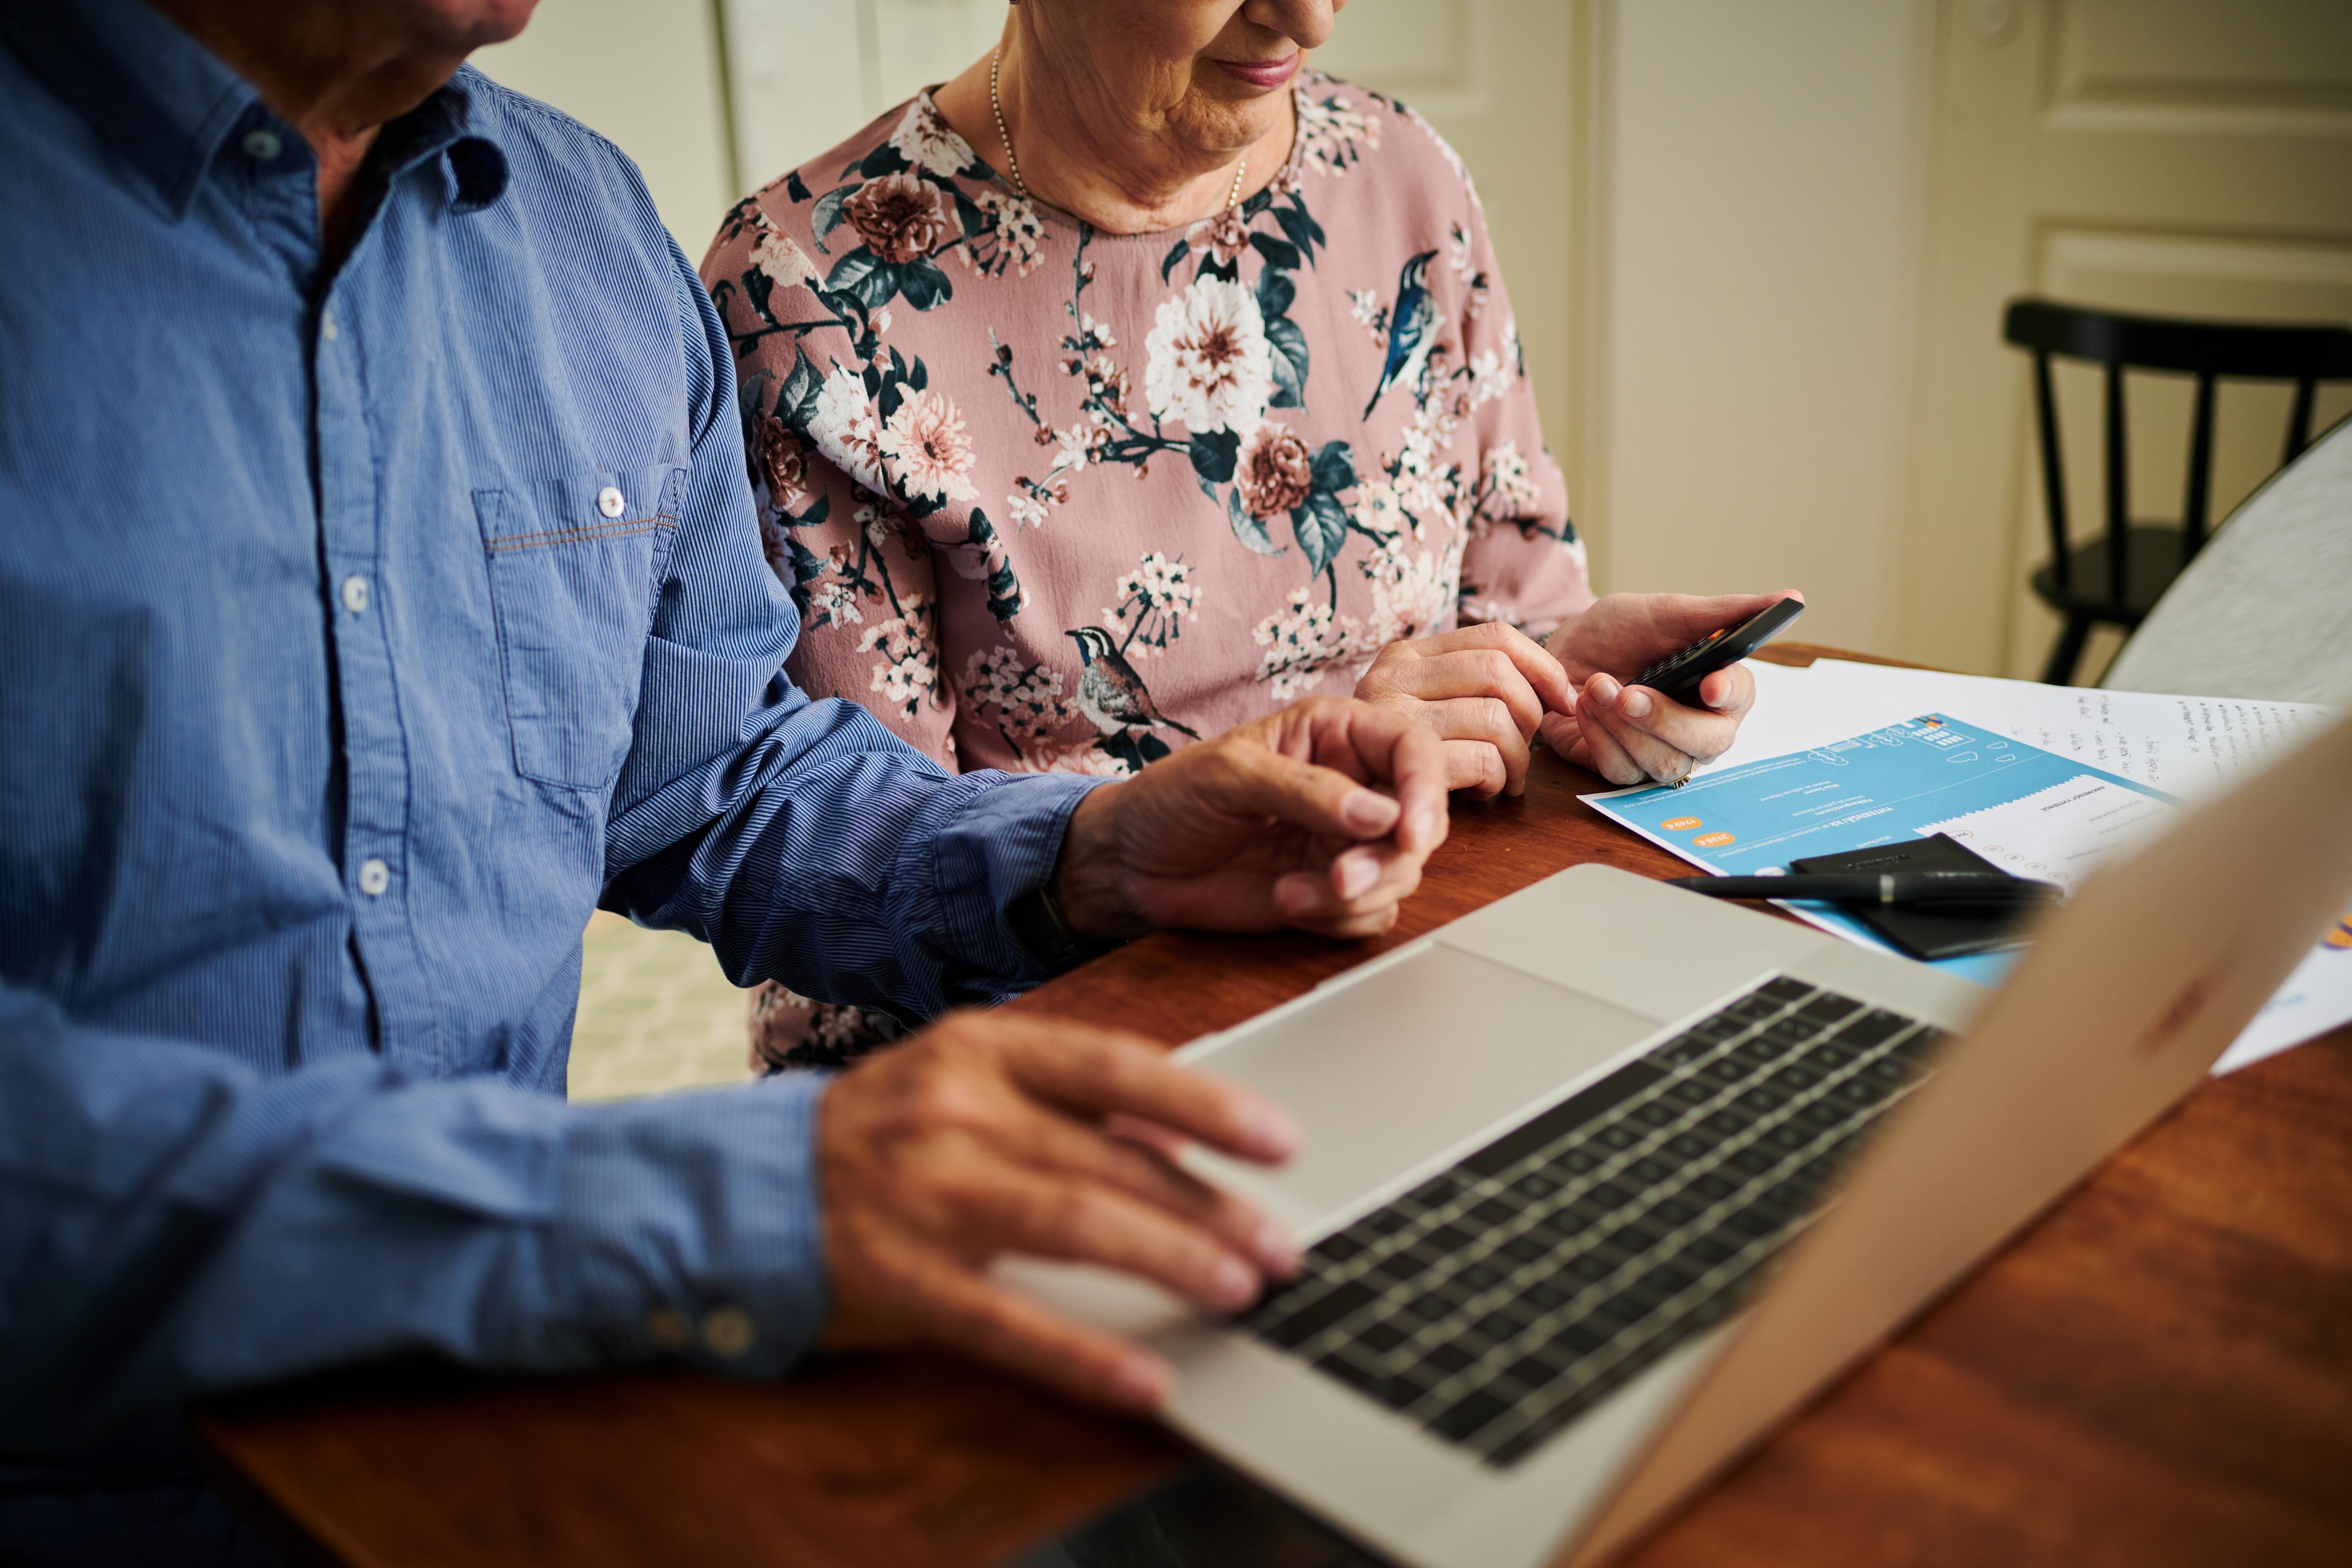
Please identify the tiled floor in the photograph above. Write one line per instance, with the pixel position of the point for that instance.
(654, 1014)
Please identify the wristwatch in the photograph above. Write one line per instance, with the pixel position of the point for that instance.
(1036, 918)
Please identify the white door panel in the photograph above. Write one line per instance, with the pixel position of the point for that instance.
(2172, 156)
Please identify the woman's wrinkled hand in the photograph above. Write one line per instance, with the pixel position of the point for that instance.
(1628, 734)
(1484, 690)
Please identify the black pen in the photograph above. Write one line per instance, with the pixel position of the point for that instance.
(1942, 891)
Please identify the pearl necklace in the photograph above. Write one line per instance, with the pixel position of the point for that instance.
(1012, 159)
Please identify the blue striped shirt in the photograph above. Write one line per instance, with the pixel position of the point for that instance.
(362, 629)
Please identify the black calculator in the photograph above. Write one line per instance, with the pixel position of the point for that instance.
(1678, 674)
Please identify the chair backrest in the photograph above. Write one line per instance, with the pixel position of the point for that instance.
(2267, 611)
(2209, 351)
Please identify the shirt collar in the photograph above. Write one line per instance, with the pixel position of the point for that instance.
(165, 105)
(151, 92)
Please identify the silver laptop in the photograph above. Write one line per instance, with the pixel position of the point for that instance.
(1607, 1178)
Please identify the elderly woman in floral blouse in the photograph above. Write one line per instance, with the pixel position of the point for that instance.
(1140, 379)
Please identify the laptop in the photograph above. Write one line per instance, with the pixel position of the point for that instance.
(1604, 1180)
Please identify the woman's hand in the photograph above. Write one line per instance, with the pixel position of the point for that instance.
(1627, 734)
(1483, 689)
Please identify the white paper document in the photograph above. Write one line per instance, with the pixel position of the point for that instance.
(2190, 746)
(2061, 834)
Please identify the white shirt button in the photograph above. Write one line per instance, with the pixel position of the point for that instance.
(669, 1331)
(610, 501)
(355, 594)
(727, 1333)
(374, 877)
(326, 328)
(262, 145)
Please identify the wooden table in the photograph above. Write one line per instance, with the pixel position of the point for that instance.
(2159, 1373)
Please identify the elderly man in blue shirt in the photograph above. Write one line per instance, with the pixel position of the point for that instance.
(380, 592)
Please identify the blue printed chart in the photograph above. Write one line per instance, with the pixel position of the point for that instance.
(2031, 812)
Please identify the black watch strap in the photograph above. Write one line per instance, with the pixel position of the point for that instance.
(1037, 920)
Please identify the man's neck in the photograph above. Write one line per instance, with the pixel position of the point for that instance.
(1098, 160)
(337, 73)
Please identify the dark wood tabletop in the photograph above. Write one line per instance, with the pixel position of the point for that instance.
(2160, 1371)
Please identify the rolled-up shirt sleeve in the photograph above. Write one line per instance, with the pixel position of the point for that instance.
(799, 837)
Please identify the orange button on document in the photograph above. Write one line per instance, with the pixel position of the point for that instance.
(1680, 824)
(1711, 840)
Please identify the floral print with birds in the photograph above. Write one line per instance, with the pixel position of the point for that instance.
(1049, 497)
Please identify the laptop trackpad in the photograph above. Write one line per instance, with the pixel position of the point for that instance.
(1410, 1061)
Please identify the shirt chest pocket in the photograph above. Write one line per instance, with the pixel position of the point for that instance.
(574, 565)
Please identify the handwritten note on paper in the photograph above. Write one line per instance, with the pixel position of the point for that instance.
(2187, 747)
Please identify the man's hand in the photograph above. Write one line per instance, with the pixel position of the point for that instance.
(1627, 734)
(1318, 817)
(1483, 690)
(985, 1134)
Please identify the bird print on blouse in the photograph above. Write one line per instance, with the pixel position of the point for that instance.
(1115, 699)
(1051, 499)
(1411, 323)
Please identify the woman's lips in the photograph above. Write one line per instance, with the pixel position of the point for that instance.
(1265, 73)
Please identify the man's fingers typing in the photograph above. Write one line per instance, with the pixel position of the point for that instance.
(1057, 1144)
(1100, 1073)
(1058, 1216)
(953, 1307)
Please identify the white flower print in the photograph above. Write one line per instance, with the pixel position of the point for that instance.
(848, 429)
(908, 671)
(1083, 756)
(1411, 594)
(1225, 235)
(1302, 642)
(1027, 698)
(1507, 480)
(1071, 447)
(1020, 231)
(1208, 365)
(1364, 304)
(924, 140)
(1026, 511)
(1457, 250)
(1151, 599)
(785, 263)
(1332, 136)
(836, 604)
(926, 449)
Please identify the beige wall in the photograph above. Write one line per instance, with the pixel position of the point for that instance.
(1760, 208)
(646, 74)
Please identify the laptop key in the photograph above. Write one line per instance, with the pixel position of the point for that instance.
(1829, 1006)
(1479, 1408)
(1296, 1328)
(1448, 1359)
(1873, 1028)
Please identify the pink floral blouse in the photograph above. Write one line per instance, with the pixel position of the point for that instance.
(1049, 497)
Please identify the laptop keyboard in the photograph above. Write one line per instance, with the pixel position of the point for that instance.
(1497, 1301)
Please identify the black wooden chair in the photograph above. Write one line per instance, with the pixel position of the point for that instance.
(2115, 578)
